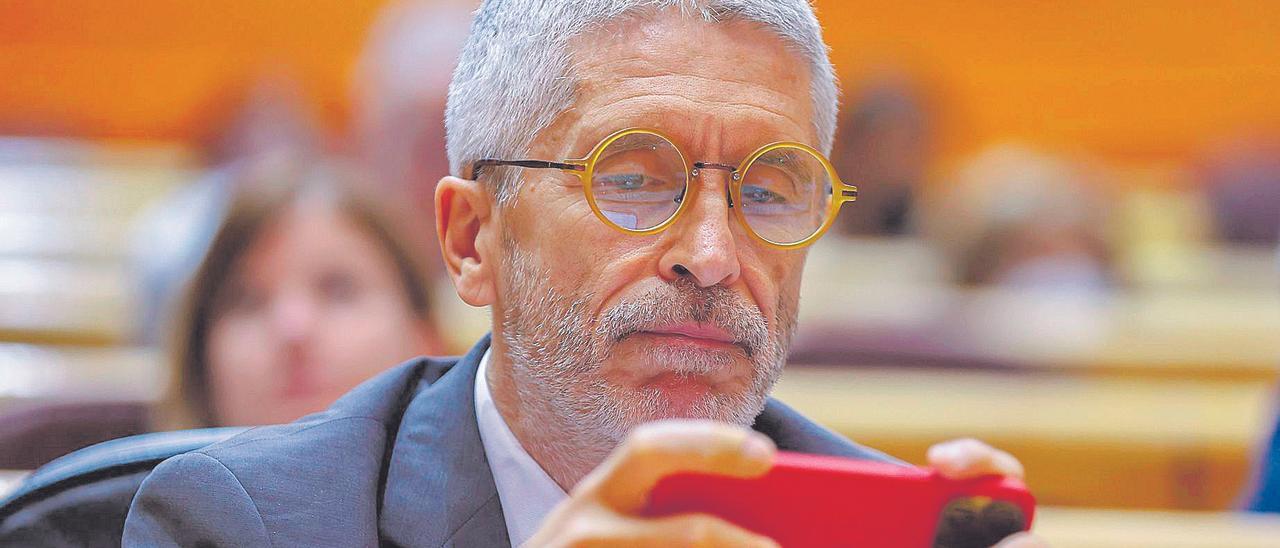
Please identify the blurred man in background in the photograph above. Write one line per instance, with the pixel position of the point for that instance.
(885, 142)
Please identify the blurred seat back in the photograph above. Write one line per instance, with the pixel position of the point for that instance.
(82, 499)
(35, 434)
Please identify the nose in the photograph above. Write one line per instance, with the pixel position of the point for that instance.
(703, 246)
(293, 316)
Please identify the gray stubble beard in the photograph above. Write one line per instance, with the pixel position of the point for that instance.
(556, 356)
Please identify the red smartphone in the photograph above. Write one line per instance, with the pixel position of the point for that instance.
(814, 501)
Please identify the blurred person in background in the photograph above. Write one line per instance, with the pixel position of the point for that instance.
(1264, 489)
(1264, 492)
(884, 144)
(1018, 218)
(306, 290)
(399, 89)
(265, 122)
(398, 96)
(1242, 182)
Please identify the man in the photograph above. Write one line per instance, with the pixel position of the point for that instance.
(643, 298)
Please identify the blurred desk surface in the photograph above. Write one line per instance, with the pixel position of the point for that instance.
(1173, 443)
(1178, 444)
(10, 479)
(886, 302)
(69, 199)
(1091, 528)
(30, 373)
(54, 301)
(1086, 441)
(66, 209)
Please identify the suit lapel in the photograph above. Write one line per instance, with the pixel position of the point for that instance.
(791, 431)
(439, 489)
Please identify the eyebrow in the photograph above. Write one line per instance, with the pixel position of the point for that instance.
(672, 123)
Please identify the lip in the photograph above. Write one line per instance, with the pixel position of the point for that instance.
(703, 332)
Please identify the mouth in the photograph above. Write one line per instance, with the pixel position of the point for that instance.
(686, 362)
(692, 334)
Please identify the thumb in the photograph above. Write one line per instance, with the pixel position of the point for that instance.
(659, 449)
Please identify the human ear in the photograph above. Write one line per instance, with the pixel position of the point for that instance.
(464, 223)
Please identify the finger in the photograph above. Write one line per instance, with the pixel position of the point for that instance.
(969, 458)
(663, 448)
(1023, 540)
(690, 530)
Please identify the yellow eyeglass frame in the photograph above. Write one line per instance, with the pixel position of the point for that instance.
(584, 169)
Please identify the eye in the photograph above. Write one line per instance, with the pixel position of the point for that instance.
(238, 297)
(635, 189)
(621, 181)
(339, 287)
(761, 195)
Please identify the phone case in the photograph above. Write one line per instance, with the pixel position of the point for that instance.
(814, 501)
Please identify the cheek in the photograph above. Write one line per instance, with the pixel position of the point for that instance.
(599, 265)
(240, 360)
(360, 341)
(557, 244)
(775, 282)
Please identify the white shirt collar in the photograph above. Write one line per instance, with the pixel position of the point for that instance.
(526, 491)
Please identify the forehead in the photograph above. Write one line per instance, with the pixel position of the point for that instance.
(729, 85)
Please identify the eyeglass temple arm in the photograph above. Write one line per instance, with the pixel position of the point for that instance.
(535, 164)
(848, 193)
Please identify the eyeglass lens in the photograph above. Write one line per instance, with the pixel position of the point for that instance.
(639, 181)
(785, 195)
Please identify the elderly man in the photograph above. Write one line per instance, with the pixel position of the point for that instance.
(636, 184)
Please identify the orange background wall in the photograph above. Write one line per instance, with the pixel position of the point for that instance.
(1122, 78)
(1126, 78)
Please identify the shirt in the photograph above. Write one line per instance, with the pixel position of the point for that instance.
(526, 491)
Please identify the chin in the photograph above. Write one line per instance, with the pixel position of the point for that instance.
(679, 397)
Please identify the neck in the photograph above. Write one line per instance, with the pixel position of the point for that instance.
(563, 449)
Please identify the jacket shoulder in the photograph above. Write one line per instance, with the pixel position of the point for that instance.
(314, 482)
(226, 515)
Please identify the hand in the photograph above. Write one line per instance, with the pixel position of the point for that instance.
(604, 508)
(970, 458)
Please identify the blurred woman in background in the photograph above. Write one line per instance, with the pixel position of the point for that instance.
(306, 291)
(1017, 217)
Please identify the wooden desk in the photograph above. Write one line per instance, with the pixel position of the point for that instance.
(1113, 442)
(1093, 528)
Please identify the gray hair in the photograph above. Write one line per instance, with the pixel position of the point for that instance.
(513, 77)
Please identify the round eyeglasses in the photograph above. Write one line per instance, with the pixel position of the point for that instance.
(638, 181)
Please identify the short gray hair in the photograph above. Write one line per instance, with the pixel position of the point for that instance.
(513, 77)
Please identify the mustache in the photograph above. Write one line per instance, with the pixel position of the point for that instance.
(684, 301)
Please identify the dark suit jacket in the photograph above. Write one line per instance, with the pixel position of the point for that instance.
(396, 462)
